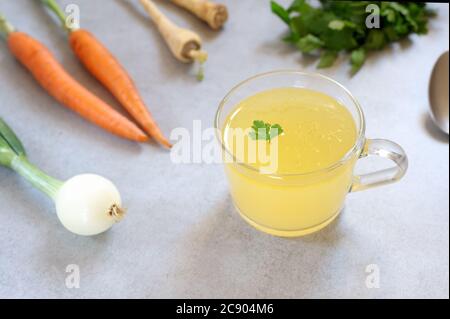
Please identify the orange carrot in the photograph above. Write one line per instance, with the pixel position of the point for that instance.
(108, 71)
(102, 65)
(59, 84)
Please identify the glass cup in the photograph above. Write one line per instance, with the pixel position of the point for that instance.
(292, 205)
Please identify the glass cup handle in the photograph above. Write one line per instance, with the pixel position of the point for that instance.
(385, 149)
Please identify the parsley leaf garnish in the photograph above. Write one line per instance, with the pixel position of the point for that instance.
(265, 131)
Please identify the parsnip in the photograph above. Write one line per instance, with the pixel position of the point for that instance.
(214, 14)
(185, 45)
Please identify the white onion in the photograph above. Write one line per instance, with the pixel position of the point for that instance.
(88, 204)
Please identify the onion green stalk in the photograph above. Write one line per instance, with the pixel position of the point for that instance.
(86, 204)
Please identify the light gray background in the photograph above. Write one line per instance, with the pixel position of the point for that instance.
(182, 237)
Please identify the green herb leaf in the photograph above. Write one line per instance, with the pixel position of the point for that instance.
(309, 43)
(339, 40)
(327, 59)
(275, 130)
(389, 14)
(336, 25)
(281, 12)
(265, 131)
(357, 60)
(375, 40)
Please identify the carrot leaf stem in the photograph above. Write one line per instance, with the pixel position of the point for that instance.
(5, 27)
(53, 6)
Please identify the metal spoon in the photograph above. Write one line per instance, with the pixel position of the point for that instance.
(438, 93)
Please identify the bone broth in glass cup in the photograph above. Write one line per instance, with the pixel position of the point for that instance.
(290, 142)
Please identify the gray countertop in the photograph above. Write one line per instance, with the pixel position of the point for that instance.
(182, 237)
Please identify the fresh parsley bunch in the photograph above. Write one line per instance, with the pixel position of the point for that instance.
(341, 26)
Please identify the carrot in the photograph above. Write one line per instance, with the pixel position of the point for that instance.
(103, 66)
(108, 71)
(59, 84)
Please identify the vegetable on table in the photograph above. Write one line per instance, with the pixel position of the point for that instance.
(65, 89)
(99, 61)
(214, 14)
(86, 204)
(337, 26)
(185, 45)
